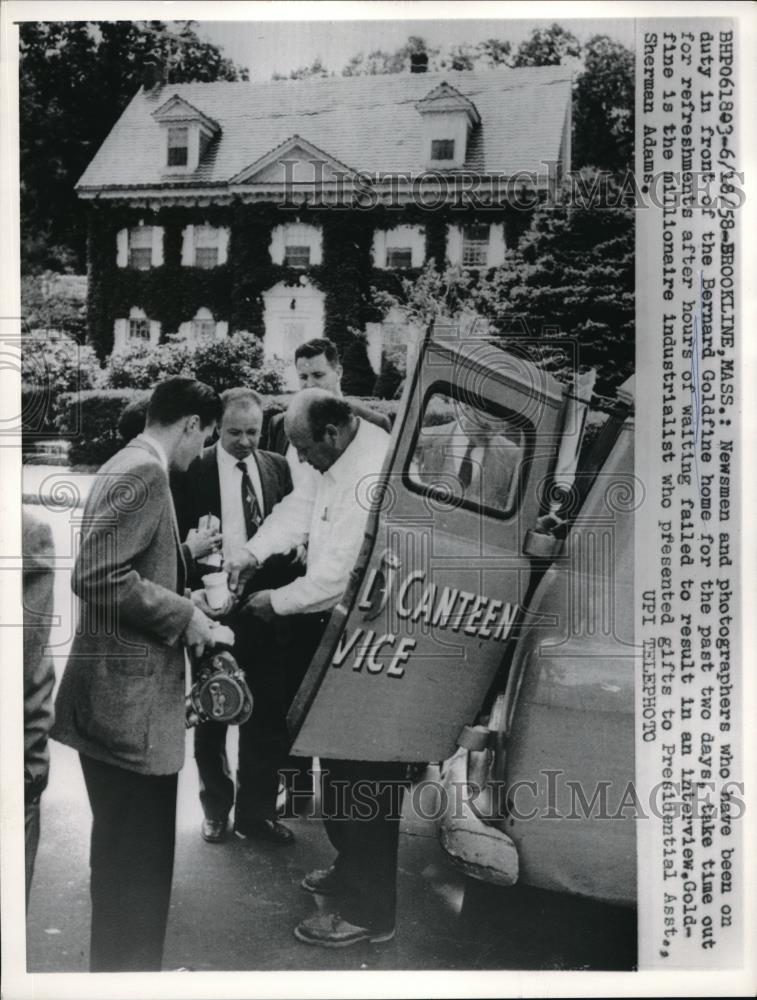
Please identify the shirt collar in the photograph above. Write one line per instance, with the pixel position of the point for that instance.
(156, 446)
(229, 460)
(342, 465)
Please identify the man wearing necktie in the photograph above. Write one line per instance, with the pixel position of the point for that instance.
(470, 457)
(240, 485)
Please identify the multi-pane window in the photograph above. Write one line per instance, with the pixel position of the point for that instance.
(140, 248)
(206, 246)
(178, 147)
(139, 329)
(475, 245)
(296, 256)
(442, 149)
(399, 257)
(296, 244)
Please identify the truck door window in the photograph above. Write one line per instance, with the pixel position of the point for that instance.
(468, 455)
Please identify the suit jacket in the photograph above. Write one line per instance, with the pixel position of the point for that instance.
(121, 699)
(39, 676)
(279, 442)
(198, 492)
(496, 462)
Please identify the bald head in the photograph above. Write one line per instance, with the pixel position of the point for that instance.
(320, 426)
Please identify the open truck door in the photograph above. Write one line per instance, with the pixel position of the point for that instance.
(436, 595)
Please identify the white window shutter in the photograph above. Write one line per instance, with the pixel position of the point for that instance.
(316, 248)
(120, 334)
(379, 248)
(187, 246)
(496, 255)
(454, 244)
(122, 248)
(223, 245)
(276, 247)
(157, 246)
(154, 332)
(418, 244)
(222, 330)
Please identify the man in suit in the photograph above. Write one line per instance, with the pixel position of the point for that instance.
(121, 700)
(39, 676)
(470, 457)
(240, 485)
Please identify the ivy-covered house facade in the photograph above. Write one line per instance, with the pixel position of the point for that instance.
(279, 208)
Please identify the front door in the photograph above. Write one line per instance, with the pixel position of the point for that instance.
(292, 315)
(423, 628)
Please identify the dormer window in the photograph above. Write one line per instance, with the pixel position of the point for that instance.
(442, 149)
(178, 147)
(448, 119)
(187, 134)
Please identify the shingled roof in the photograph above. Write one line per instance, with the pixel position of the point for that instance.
(369, 123)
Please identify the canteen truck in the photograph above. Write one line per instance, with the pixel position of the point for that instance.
(488, 623)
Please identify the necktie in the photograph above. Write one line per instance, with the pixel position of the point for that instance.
(465, 475)
(250, 505)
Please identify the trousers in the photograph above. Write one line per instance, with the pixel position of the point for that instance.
(131, 865)
(362, 805)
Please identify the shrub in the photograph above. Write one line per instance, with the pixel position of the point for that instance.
(59, 364)
(140, 366)
(236, 360)
(359, 377)
(90, 421)
(388, 381)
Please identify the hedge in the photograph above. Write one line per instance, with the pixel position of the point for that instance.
(89, 420)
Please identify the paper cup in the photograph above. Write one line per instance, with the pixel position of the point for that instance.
(216, 589)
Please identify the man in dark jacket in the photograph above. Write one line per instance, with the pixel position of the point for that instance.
(121, 699)
(240, 485)
(39, 677)
(318, 367)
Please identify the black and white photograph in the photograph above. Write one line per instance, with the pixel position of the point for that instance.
(339, 648)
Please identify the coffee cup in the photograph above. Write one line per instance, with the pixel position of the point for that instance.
(216, 589)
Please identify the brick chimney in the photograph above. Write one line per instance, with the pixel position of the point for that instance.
(418, 62)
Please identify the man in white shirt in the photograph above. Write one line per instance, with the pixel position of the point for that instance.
(240, 485)
(348, 454)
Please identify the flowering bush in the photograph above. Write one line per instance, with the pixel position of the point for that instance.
(223, 364)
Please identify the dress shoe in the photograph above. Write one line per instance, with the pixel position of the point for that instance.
(322, 881)
(213, 830)
(266, 829)
(330, 930)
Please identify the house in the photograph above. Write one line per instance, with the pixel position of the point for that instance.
(278, 208)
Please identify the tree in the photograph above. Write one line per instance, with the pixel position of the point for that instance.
(552, 46)
(359, 377)
(76, 77)
(603, 109)
(572, 278)
(378, 62)
(316, 68)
